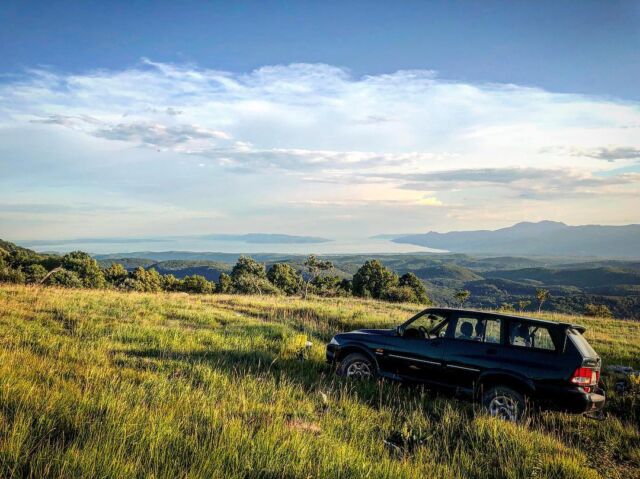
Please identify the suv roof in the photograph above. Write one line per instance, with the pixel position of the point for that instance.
(545, 322)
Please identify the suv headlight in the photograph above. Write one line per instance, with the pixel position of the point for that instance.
(333, 341)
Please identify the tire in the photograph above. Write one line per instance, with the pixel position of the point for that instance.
(504, 403)
(357, 366)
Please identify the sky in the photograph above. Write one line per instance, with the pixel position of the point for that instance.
(329, 119)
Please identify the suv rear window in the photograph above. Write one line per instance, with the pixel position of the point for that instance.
(530, 336)
(585, 349)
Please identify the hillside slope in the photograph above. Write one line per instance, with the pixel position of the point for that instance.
(106, 384)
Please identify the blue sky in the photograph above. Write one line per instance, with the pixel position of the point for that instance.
(325, 118)
(571, 46)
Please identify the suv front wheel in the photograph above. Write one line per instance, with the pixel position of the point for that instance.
(504, 403)
(357, 366)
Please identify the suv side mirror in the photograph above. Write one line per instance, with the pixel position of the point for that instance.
(399, 331)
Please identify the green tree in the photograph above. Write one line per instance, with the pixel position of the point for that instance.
(284, 277)
(523, 304)
(225, 285)
(410, 280)
(197, 284)
(248, 266)
(542, 295)
(85, 267)
(462, 296)
(373, 280)
(250, 277)
(35, 273)
(116, 274)
(313, 267)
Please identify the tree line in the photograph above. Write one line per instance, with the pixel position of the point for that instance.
(79, 270)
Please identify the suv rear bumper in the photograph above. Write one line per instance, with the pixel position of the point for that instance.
(595, 401)
(580, 402)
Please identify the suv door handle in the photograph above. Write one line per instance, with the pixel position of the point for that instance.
(492, 351)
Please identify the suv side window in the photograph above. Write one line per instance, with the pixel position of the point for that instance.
(477, 329)
(530, 336)
(492, 331)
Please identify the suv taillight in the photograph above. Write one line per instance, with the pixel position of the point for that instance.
(585, 377)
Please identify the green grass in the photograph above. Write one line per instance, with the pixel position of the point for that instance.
(108, 384)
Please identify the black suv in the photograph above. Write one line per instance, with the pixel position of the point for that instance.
(502, 360)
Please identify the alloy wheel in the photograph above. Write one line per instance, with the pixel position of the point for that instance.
(359, 370)
(504, 407)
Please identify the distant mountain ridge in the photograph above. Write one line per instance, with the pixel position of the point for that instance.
(542, 238)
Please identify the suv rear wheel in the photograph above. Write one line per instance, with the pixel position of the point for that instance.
(357, 366)
(504, 403)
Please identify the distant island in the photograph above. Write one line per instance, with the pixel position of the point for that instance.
(264, 238)
(249, 238)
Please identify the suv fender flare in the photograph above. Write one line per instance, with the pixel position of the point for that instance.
(350, 348)
(493, 378)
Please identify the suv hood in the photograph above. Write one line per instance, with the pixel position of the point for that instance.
(374, 332)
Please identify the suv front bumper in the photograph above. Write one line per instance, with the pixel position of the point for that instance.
(331, 353)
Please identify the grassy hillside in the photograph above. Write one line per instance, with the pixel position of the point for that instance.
(107, 384)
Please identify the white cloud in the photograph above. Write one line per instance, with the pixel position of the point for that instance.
(303, 133)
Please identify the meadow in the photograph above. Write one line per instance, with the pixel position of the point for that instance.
(99, 383)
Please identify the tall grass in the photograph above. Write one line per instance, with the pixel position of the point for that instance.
(108, 384)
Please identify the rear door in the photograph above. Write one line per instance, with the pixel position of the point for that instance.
(472, 345)
(532, 350)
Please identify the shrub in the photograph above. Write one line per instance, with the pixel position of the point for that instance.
(410, 280)
(144, 280)
(197, 284)
(251, 284)
(224, 284)
(327, 286)
(86, 268)
(313, 267)
(285, 278)
(169, 282)
(66, 279)
(116, 274)
(35, 273)
(598, 311)
(401, 294)
(248, 266)
(12, 275)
